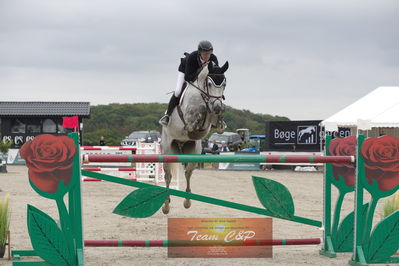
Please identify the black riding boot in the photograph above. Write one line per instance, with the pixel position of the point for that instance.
(173, 102)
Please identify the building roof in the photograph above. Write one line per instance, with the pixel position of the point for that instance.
(81, 109)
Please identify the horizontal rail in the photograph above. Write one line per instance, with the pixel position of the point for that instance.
(188, 243)
(108, 148)
(99, 180)
(193, 158)
(115, 169)
(296, 164)
(114, 148)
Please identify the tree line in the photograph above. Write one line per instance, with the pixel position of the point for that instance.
(116, 121)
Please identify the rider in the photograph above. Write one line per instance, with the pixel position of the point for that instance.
(189, 69)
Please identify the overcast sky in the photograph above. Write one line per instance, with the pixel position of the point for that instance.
(302, 59)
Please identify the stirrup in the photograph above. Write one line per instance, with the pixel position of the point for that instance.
(164, 120)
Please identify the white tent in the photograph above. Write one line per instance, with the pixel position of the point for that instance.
(379, 108)
(388, 118)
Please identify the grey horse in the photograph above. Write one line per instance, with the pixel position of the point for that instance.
(201, 108)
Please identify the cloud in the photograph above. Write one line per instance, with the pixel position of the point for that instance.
(297, 52)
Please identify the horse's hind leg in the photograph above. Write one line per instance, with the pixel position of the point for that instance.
(188, 172)
(168, 178)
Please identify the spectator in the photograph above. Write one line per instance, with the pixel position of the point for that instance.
(224, 148)
(102, 141)
(215, 148)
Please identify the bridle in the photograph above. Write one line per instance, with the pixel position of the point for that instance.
(206, 96)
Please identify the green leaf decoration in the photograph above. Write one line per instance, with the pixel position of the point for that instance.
(345, 234)
(384, 241)
(47, 239)
(274, 196)
(142, 203)
(343, 242)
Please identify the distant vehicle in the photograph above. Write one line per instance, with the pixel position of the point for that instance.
(142, 136)
(232, 140)
(256, 143)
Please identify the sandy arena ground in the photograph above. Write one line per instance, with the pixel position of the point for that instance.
(100, 198)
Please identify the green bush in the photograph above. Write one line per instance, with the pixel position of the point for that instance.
(5, 146)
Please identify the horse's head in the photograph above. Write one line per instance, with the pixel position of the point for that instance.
(215, 85)
(210, 86)
(212, 82)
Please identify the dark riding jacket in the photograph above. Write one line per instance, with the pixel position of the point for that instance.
(191, 65)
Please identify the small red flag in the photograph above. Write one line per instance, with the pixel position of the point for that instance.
(70, 122)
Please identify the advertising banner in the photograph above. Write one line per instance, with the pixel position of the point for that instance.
(219, 237)
(298, 135)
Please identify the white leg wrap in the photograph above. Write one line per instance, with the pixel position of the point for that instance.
(179, 85)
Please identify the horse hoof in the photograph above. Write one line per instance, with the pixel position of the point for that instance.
(187, 203)
(165, 209)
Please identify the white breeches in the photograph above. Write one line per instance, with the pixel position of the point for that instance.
(179, 84)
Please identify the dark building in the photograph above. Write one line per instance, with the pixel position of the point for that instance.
(22, 121)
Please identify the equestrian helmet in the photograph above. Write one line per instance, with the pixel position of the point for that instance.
(205, 47)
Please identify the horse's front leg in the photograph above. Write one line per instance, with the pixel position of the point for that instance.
(188, 172)
(168, 179)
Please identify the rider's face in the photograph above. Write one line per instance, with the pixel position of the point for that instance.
(205, 57)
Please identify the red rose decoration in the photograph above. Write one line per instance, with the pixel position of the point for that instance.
(49, 159)
(381, 161)
(344, 147)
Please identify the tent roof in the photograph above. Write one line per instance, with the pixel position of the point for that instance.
(379, 108)
(388, 118)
